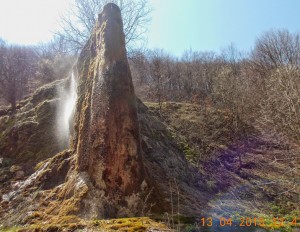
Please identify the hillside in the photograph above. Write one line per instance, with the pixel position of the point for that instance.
(264, 186)
(85, 154)
(29, 136)
(242, 167)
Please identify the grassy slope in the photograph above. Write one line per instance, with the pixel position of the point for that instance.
(265, 185)
(126, 224)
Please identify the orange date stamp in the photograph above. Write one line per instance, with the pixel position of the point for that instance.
(248, 222)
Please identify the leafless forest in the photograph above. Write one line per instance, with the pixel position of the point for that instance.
(262, 86)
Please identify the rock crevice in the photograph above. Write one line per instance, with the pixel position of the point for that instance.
(107, 142)
(122, 160)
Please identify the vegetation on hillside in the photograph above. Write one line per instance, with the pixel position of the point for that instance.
(249, 172)
(235, 117)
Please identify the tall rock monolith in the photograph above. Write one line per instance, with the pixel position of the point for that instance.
(122, 161)
(107, 140)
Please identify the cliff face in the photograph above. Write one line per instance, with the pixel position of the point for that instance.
(107, 143)
(28, 136)
(122, 160)
(128, 170)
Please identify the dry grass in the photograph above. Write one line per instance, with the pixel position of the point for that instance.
(142, 224)
(266, 181)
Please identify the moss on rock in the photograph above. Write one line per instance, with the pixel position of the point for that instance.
(28, 136)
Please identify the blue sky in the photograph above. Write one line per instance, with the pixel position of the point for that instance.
(177, 25)
(211, 25)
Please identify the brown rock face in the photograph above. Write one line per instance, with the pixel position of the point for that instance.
(113, 168)
(107, 142)
(110, 170)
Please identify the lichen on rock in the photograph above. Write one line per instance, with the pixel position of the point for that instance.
(121, 161)
(106, 143)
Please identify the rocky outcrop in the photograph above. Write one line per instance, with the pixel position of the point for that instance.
(128, 160)
(123, 178)
(28, 137)
(107, 143)
(122, 160)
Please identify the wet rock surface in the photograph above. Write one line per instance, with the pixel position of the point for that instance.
(122, 161)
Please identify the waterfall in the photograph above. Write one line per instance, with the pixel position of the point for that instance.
(69, 104)
(68, 97)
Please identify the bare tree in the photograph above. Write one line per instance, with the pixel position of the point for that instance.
(17, 65)
(24, 69)
(228, 86)
(54, 62)
(275, 49)
(275, 61)
(280, 109)
(156, 67)
(160, 71)
(78, 22)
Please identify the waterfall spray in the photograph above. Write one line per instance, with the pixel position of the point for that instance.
(68, 97)
(69, 104)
